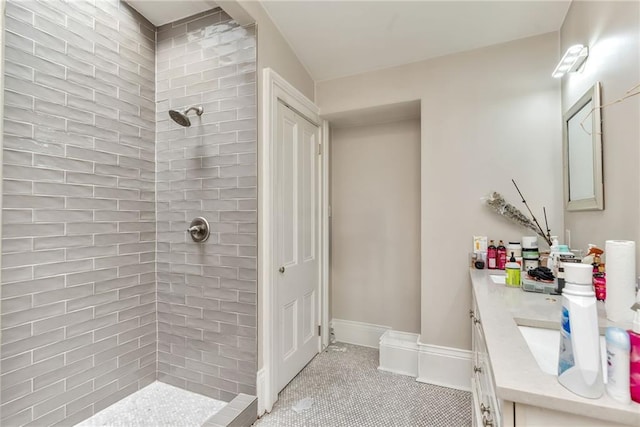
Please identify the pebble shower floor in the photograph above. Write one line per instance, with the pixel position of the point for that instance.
(157, 405)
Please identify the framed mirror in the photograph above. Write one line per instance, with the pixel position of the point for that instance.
(582, 153)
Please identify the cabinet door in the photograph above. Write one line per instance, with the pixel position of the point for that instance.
(476, 413)
(485, 388)
(484, 393)
(474, 337)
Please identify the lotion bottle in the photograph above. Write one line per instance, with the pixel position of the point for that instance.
(617, 386)
(492, 256)
(502, 255)
(579, 366)
(634, 355)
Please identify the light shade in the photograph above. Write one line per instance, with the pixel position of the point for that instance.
(571, 60)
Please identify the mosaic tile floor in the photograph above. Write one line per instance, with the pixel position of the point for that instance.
(348, 391)
(156, 405)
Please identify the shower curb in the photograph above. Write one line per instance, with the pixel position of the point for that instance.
(242, 411)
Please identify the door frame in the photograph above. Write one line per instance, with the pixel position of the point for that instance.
(275, 89)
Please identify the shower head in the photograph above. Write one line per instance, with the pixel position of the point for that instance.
(181, 117)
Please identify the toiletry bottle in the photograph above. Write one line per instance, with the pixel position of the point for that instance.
(600, 286)
(530, 253)
(579, 367)
(516, 248)
(553, 250)
(513, 272)
(502, 255)
(598, 260)
(492, 256)
(634, 355)
(617, 386)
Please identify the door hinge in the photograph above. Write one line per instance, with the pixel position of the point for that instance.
(319, 149)
(319, 330)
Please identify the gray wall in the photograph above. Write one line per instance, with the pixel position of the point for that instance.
(78, 291)
(375, 224)
(207, 291)
(612, 32)
(481, 112)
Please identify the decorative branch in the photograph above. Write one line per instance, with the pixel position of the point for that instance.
(546, 223)
(539, 228)
(507, 210)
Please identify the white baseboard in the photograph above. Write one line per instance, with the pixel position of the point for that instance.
(403, 353)
(444, 366)
(399, 353)
(358, 333)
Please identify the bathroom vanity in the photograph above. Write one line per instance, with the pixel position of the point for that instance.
(510, 387)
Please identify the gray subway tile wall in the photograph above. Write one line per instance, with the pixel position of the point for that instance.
(78, 309)
(102, 292)
(209, 61)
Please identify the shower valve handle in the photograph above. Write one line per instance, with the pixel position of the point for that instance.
(199, 230)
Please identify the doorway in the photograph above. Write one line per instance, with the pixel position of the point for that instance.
(292, 228)
(375, 239)
(375, 224)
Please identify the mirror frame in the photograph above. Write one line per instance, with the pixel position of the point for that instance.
(597, 201)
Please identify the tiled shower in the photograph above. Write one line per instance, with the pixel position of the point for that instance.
(103, 291)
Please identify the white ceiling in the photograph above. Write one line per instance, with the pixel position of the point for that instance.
(339, 38)
(336, 38)
(160, 12)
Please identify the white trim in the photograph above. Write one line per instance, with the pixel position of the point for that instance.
(261, 389)
(324, 230)
(444, 366)
(3, 5)
(358, 333)
(274, 88)
(236, 11)
(402, 353)
(399, 353)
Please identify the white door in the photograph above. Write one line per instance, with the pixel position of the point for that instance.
(297, 243)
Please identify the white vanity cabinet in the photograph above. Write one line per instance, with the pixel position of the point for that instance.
(508, 387)
(488, 409)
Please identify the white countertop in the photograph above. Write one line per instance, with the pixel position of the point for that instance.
(518, 377)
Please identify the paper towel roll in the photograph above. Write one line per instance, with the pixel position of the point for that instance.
(621, 279)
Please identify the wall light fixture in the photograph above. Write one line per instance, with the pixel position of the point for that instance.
(571, 60)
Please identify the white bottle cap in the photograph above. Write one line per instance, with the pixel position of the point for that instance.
(579, 274)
